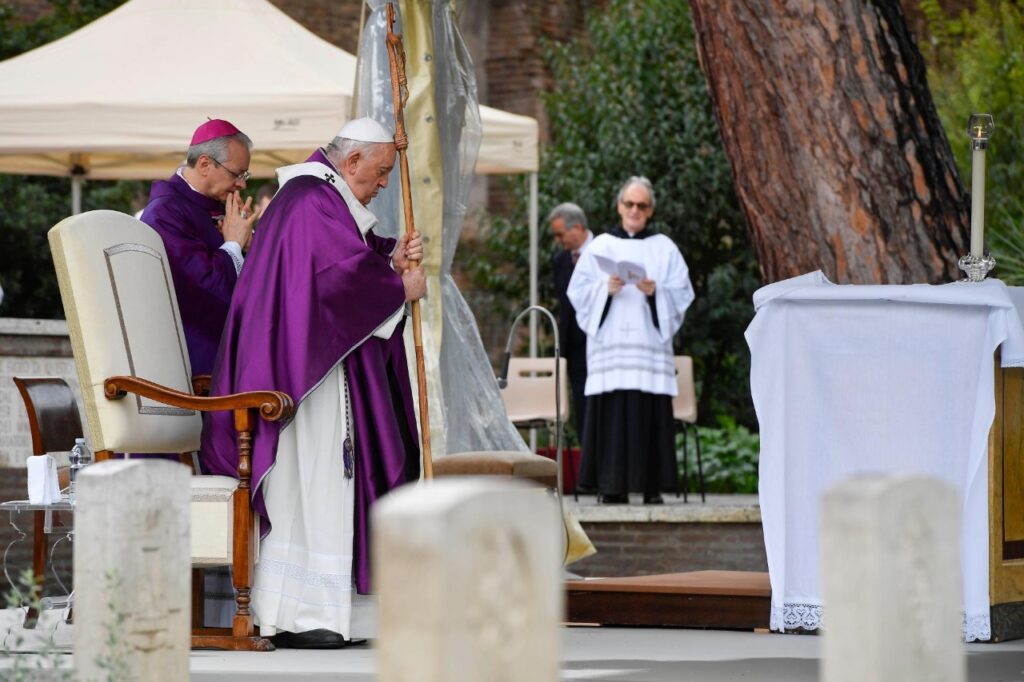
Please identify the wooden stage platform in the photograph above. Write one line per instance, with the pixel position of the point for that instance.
(728, 600)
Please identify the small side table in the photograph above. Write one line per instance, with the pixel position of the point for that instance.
(49, 519)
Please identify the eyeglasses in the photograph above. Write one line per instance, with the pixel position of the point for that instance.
(642, 205)
(239, 177)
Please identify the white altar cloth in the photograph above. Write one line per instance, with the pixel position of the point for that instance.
(850, 379)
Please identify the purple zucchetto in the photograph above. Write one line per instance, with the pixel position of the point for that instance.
(213, 129)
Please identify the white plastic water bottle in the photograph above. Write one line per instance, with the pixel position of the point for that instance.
(79, 457)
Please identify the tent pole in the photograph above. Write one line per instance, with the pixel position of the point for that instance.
(76, 193)
(533, 263)
(533, 283)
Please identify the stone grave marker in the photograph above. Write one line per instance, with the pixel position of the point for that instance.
(891, 586)
(132, 571)
(468, 572)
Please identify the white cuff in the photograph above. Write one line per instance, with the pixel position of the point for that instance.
(234, 249)
(388, 328)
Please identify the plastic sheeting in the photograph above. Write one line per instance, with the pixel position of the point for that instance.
(471, 401)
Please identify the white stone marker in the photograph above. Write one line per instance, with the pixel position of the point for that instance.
(468, 571)
(132, 571)
(891, 586)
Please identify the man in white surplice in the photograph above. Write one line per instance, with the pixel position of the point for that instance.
(322, 322)
(631, 289)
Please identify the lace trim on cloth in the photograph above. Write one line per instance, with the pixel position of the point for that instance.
(808, 616)
(976, 628)
(793, 616)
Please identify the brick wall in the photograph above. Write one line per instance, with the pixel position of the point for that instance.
(626, 549)
(336, 21)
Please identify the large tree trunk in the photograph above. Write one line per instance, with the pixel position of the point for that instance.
(840, 160)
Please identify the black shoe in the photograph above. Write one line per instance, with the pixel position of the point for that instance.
(615, 499)
(313, 639)
(653, 499)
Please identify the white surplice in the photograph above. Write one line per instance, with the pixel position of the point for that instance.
(626, 351)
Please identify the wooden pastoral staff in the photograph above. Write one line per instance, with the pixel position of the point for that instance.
(133, 367)
(396, 58)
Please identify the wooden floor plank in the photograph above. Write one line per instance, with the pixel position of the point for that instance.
(734, 600)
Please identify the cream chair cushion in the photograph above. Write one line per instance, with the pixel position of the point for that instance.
(212, 520)
(521, 465)
(123, 319)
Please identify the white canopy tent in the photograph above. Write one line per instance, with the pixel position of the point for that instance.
(119, 98)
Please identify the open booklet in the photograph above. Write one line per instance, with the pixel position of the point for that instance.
(629, 272)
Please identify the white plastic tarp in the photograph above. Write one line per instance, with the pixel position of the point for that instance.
(474, 417)
(121, 96)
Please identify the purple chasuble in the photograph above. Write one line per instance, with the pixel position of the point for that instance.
(203, 273)
(310, 296)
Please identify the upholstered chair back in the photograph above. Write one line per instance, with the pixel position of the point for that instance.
(123, 320)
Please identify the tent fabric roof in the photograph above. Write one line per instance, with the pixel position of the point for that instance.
(122, 95)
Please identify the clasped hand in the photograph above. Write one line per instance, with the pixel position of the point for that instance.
(409, 251)
(406, 260)
(414, 281)
(238, 220)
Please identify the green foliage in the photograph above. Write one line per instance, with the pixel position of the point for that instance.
(34, 666)
(976, 65)
(64, 17)
(629, 98)
(730, 457)
(29, 206)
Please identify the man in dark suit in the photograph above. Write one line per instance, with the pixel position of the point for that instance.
(569, 228)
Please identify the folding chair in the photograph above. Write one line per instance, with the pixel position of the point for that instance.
(684, 414)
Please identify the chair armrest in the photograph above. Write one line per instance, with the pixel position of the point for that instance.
(273, 405)
(201, 384)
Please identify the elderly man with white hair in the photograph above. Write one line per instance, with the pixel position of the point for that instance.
(319, 314)
(631, 289)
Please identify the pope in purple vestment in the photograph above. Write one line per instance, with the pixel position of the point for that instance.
(189, 211)
(313, 292)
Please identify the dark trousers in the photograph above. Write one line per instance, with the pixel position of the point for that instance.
(576, 365)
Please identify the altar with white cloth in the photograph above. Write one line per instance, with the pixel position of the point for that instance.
(850, 379)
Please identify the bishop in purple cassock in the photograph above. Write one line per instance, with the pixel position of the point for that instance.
(318, 314)
(199, 214)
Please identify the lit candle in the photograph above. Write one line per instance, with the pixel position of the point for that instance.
(980, 129)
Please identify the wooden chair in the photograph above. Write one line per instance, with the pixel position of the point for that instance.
(133, 369)
(684, 414)
(54, 424)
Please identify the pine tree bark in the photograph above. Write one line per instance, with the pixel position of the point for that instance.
(839, 158)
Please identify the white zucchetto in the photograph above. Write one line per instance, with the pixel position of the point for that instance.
(365, 130)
